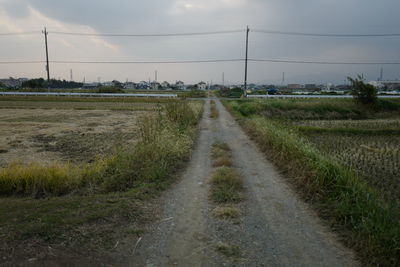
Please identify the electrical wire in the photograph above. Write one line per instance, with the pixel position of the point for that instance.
(203, 61)
(322, 62)
(19, 33)
(148, 35)
(22, 62)
(326, 34)
(210, 33)
(148, 62)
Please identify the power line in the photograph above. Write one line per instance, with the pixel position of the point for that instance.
(148, 62)
(23, 62)
(323, 62)
(208, 33)
(18, 33)
(203, 61)
(326, 34)
(149, 35)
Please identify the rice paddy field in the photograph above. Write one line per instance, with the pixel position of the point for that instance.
(367, 142)
(342, 157)
(370, 147)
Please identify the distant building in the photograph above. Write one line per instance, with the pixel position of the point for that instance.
(117, 84)
(143, 85)
(155, 85)
(180, 85)
(202, 86)
(91, 85)
(13, 83)
(165, 85)
(386, 85)
(294, 86)
(107, 84)
(129, 85)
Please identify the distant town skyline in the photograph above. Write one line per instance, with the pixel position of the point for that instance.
(185, 16)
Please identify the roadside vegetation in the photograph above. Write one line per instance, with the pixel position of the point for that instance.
(83, 204)
(343, 158)
(231, 93)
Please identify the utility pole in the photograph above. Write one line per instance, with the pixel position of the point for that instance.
(70, 75)
(223, 79)
(245, 67)
(155, 76)
(47, 58)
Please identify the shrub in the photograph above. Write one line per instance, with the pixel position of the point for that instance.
(363, 93)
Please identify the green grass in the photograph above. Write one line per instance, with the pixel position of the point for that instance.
(355, 209)
(94, 221)
(306, 109)
(192, 94)
(213, 110)
(228, 249)
(226, 212)
(349, 131)
(221, 150)
(226, 185)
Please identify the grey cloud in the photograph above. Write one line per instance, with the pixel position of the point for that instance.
(16, 9)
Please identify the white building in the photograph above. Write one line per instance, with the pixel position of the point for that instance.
(386, 85)
(202, 86)
(165, 85)
(130, 85)
(180, 85)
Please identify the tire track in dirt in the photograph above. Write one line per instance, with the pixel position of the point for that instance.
(180, 238)
(276, 228)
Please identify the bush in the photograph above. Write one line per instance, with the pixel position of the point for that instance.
(363, 93)
(233, 93)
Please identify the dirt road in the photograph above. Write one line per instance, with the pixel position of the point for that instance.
(275, 229)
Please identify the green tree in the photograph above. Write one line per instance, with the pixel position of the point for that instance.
(363, 93)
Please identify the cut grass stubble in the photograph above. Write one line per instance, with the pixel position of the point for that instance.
(226, 184)
(213, 110)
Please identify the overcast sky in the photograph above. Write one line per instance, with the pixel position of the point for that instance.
(170, 16)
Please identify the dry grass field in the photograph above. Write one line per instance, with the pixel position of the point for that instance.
(63, 135)
(76, 174)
